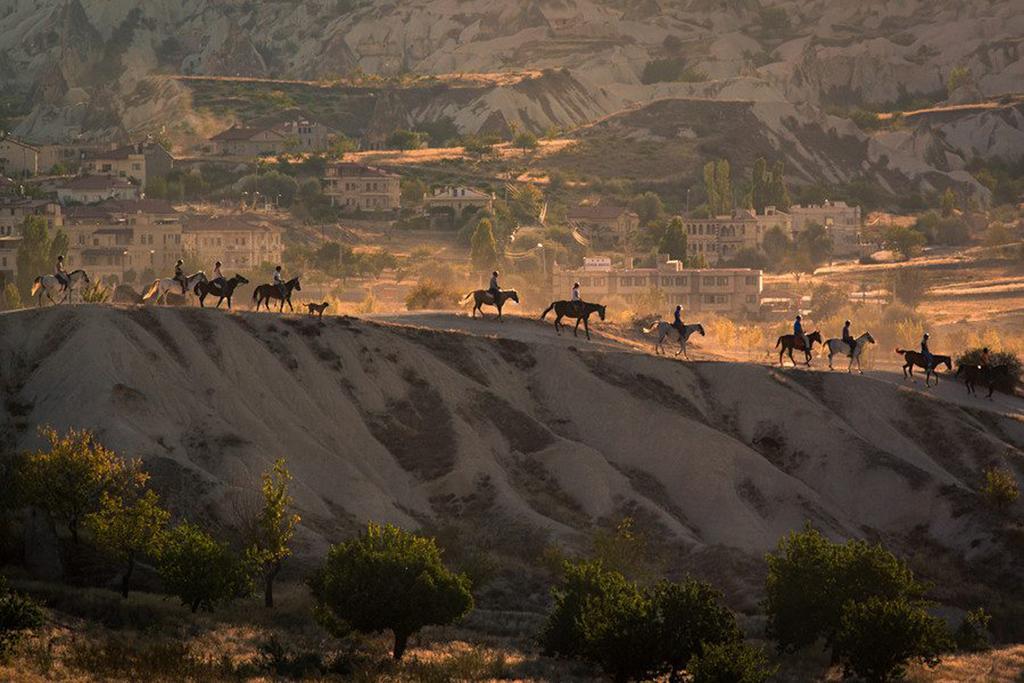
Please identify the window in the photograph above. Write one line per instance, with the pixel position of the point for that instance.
(723, 282)
(751, 280)
(708, 281)
(751, 299)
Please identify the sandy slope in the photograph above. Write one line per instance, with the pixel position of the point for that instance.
(511, 428)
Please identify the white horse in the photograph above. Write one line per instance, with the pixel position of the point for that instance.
(48, 284)
(837, 347)
(161, 287)
(664, 329)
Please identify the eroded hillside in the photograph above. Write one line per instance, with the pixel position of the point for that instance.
(519, 445)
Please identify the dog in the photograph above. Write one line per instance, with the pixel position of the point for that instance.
(318, 308)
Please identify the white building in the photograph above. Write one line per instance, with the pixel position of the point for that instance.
(841, 220)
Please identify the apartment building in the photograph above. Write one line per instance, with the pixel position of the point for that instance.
(239, 242)
(841, 220)
(14, 210)
(719, 290)
(364, 188)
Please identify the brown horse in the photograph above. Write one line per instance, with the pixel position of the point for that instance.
(790, 343)
(913, 358)
(483, 297)
(975, 374)
(573, 310)
(203, 289)
(264, 293)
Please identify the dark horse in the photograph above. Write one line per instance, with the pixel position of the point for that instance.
(790, 343)
(570, 309)
(975, 374)
(482, 297)
(264, 293)
(913, 358)
(202, 289)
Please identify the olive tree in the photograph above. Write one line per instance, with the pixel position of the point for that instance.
(202, 572)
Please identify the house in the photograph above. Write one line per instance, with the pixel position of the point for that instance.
(289, 131)
(841, 220)
(604, 220)
(18, 158)
(14, 210)
(239, 242)
(242, 141)
(90, 189)
(456, 201)
(719, 290)
(139, 162)
(720, 238)
(355, 187)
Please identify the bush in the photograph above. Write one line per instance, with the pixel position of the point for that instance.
(18, 614)
(973, 635)
(731, 663)
(1012, 362)
(388, 579)
(903, 240)
(429, 295)
(908, 286)
(96, 293)
(11, 297)
(879, 636)
(200, 571)
(1000, 488)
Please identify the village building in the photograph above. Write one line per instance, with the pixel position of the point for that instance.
(728, 291)
(239, 242)
(241, 141)
(289, 131)
(18, 158)
(721, 238)
(842, 221)
(604, 221)
(14, 210)
(91, 189)
(138, 162)
(458, 199)
(355, 187)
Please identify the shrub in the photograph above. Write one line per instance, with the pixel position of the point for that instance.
(200, 571)
(429, 294)
(1012, 362)
(18, 614)
(1000, 488)
(903, 240)
(388, 579)
(11, 297)
(526, 141)
(973, 635)
(96, 293)
(879, 636)
(734, 662)
(908, 286)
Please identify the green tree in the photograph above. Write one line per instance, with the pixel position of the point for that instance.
(526, 141)
(33, 253)
(58, 246)
(274, 528)
(199, 570)
(776, 245)
(878, 637)
(406, 140)
(814, 244)
(483, 248)
(958, 76)
(388, 579)
(731, 662)
(341, 145)
(759, 181)
(69, 479)
(12, 297)
(128, 527)
(18, 614)
(688, 617)
(778, 193)
(673, 242)
(723, 183)
(948, 202)
(648, 206)
(711, 188)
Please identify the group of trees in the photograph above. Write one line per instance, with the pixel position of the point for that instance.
(811, 248)
(718, 187)
(768, 188)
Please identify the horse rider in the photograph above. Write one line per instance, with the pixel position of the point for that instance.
(61, 274)
(848, 338)
(677, 321)
(218, 278)
(179, 276)
(798, 333)
(279, 283)
(926, 352)
(574, 297)
(493, 289)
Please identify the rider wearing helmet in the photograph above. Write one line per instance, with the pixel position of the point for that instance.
(61, 274)
(279, 283)
(218, 278)
(848, 338)
(179, 275)
(926, 352)
(493, 289)
(798, 332)
(574, 297)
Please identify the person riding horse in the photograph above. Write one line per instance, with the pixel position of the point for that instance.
(798, 333)
(848, 338)
(985, 361)
(179, 276)
(677, 322)
(218, 279)
(279, 283)
(61, 274)
(576, 299)
(493, 289)
(928, 357)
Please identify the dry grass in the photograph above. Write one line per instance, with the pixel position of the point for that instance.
(1005, 665)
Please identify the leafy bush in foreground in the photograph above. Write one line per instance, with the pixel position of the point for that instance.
(18, 614)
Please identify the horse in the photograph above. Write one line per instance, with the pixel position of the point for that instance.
(789, 343)
(913, 358)
(664, 329)
(570, 309)
(166, 285)
(839, 347)
(264, 293)
(202, 289)
(483, 297)
(47, 283)
(973, 374)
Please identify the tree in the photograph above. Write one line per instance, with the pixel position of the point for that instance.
(689, 616)
(483, 248)
(948, 202)
(648, 206)
(814, 244)
(759, 181)
(879, 636)
(58, 246)
(526, 141)
(18, 614)
(199, 570)
(731, 662)
(341, 145)
(33, 253)
(778, 193)
(406, 140)
(908, 286)
(388, 579)
(12, 297)
(776, 245)
(958, 76)
(70, 478)
(275, 527)
(673, 242)
(723, 183)
(711, 188)
(903, 240)
(128, 527)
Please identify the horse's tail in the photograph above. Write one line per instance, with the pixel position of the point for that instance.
(547, 310)
(466, 298)
(37, 284)
(152, 290)
(780, 341)
(902, 352)
(255, 293)
(648, 330)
